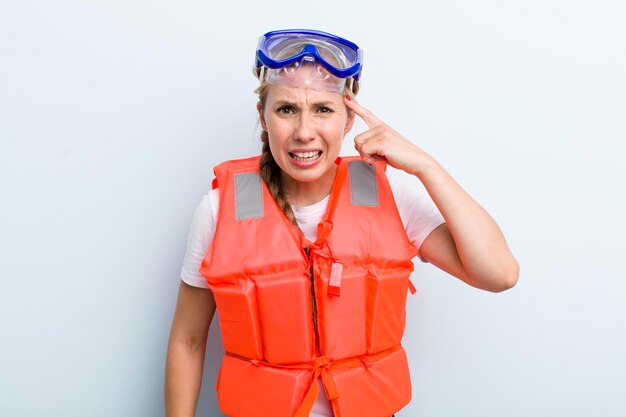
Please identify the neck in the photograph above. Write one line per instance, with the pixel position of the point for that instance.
(306, 193)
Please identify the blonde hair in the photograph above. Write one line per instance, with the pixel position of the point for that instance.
(269, 169)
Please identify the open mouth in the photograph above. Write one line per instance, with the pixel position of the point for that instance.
(305, 156)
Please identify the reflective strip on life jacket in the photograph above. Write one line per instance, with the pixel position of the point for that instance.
(363, 184)
(248, 196)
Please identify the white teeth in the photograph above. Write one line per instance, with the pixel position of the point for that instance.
(305, 156)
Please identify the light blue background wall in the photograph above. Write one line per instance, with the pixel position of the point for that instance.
(113, 113)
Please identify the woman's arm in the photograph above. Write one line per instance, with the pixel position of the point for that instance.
(185, 355)
(469, 245)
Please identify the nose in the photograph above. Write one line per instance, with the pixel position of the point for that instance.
(305, 128)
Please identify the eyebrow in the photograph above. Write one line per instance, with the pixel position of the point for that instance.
(315, 104)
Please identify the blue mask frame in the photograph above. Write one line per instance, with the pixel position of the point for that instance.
(352, 52)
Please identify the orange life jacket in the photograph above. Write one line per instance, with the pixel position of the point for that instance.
(292, 311)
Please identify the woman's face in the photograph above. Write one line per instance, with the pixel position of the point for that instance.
(305, 129)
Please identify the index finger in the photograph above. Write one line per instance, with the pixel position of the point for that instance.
(371, 120)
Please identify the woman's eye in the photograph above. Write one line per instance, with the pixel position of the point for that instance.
(285, 109)
(325, 110)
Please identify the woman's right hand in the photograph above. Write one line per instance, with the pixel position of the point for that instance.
(382, 143)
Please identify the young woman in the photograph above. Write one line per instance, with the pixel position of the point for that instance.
(307, 255)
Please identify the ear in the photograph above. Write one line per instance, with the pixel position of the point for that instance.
(259, 108)
(350, 122)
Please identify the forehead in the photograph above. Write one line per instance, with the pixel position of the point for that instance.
(300, 94)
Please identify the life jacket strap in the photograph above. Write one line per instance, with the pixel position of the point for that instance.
(321, 369)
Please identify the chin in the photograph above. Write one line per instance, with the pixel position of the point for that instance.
(310, 174)
(305, 176)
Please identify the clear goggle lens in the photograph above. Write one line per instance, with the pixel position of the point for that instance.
(306, 73)
(334, 53)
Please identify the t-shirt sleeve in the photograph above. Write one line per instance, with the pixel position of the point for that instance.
(418, 212)
(200, 236)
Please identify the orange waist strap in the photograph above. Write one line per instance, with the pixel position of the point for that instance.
(321, 367)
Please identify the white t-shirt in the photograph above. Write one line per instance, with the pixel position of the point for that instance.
(419, 215)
